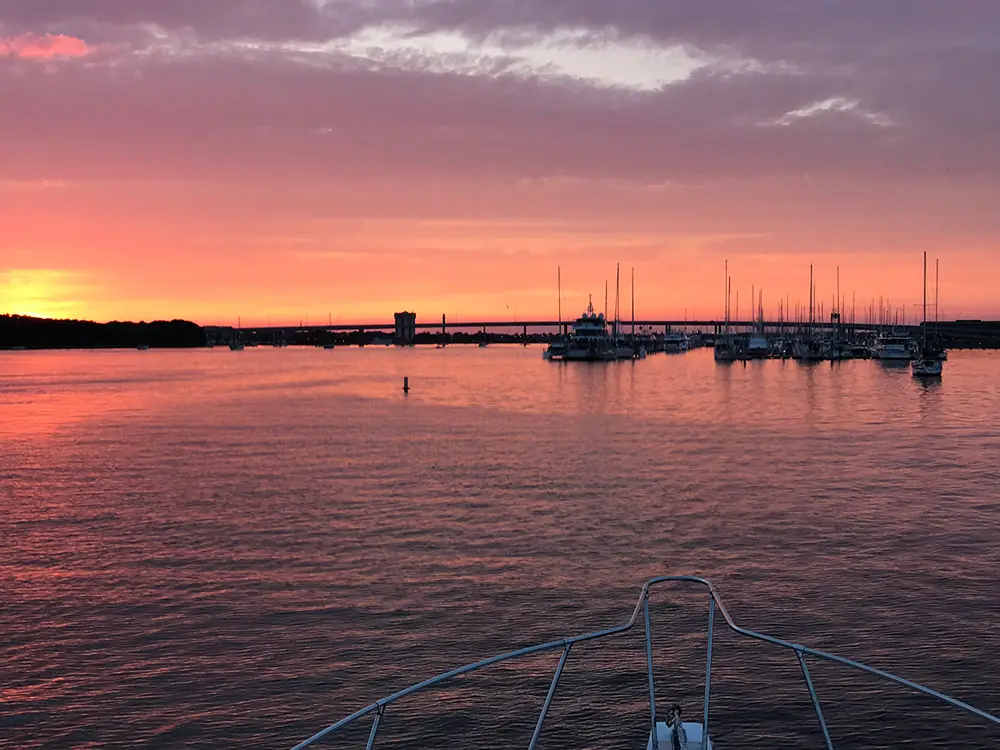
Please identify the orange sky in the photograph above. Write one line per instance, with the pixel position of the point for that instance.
(333, 164)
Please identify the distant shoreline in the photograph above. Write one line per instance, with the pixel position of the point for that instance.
(26, 333)
(20, 333)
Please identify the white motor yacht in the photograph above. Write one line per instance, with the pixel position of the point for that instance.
(590, 340)
(893, 346)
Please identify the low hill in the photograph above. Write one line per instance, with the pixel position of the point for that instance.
(19, 331)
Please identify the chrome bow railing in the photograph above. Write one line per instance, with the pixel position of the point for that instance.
(379, 707)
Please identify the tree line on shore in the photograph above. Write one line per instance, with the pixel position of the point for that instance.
(24, 332)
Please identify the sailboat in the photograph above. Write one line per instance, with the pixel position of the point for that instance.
(556, 351)
(237, 344)
(758, 346)
(329, 345)
(623, 349)
(725, 346)
(811, 348)
(928, 363)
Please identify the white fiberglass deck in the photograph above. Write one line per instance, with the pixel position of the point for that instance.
(665, 736)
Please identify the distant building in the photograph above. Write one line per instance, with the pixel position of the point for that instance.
(406, 328)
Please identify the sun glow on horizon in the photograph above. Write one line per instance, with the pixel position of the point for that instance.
(42, 293)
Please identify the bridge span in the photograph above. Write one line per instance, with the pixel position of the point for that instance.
(552, 326)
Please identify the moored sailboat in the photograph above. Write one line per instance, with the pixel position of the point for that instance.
(928, 363)
(236, 344)
(725, 349)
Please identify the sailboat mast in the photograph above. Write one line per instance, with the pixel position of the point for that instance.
(725, 291)
(725, 294)
(633, 301)
(810, 294)
(925, 298)
(729, 294)
(559, 295)
(618, 285)
(937, 290)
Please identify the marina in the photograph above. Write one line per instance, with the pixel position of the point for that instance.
(592, 337)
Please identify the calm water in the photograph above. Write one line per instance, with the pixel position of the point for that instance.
(233, 549)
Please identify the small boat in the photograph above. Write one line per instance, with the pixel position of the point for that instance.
(555, 351)
(236, 344)
(926, 366)
(660, 732)
(758, 348)
(676, 342)
(143, 347)
(329, 347)
(812, 349)
(725, 349)
(624, 350)
(929, 363)
(860, 351)
(893, 346)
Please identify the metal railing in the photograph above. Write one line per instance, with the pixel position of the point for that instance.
(379, 707)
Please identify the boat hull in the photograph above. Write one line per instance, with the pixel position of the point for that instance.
(927, 367)
(590, 355)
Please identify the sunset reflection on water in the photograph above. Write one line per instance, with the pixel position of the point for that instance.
(214, 547)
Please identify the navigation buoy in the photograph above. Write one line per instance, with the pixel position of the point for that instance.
(406, 385)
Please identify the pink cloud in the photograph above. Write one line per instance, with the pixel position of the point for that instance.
(43, 47)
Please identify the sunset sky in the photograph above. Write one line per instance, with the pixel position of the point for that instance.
(293, 159)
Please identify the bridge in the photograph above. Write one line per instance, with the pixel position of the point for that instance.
(552, 326)
(406, 330)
